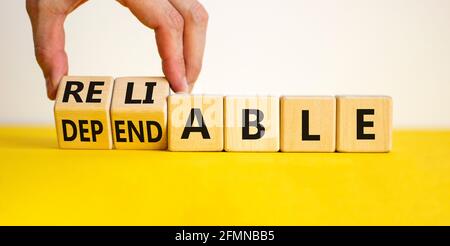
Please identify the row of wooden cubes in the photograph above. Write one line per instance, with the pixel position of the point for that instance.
(140, 113)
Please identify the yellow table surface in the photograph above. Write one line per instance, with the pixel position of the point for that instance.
(43, 185)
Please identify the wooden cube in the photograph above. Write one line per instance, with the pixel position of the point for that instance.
(139, 112)
(252, 123)
(82, 112)
(364, 123)
(308, 124)
(195, 122)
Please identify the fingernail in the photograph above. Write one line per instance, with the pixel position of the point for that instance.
(47, 81)
(191, 87)
(184, 85)
(50, 92)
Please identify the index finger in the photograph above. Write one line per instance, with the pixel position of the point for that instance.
(168, 24)
(195, 25)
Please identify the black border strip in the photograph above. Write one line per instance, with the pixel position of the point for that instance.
(230, 233)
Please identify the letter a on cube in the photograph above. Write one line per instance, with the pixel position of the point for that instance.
(139, 112)
(252, 123)
(82, 112)
(195, 122)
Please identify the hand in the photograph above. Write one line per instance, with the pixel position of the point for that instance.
(180, 30)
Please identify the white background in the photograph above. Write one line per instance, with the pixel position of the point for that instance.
(399, 48)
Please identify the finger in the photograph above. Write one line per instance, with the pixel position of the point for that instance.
(48, 36)
(168, 24)
(195, 25)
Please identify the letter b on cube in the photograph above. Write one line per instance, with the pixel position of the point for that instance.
(252, 123)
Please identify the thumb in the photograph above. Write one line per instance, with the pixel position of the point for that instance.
(48, 37)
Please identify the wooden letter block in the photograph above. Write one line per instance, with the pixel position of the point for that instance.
(252, 123)
(195, 123)
(364, 124)
(82, 112)
(308, 124)
(139, 112)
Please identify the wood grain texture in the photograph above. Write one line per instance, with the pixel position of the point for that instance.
(84, 113)
(234, 123)
(139, 120)
(375, 109)
(320, 120)
(192, 112)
